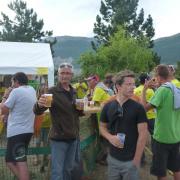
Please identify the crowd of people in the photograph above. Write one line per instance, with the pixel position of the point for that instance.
(129, 113)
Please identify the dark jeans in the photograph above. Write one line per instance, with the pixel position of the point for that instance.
(64, 158)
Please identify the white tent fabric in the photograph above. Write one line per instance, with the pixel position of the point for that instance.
(30, 58)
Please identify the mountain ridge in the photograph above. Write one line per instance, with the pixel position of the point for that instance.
(69, 48)
(168, 48)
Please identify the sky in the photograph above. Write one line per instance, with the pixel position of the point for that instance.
(77, 17)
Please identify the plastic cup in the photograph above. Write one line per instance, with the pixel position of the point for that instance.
(79, 104)
(121, 137)
(91, 104)
(48, 99)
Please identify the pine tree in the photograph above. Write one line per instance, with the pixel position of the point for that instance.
(121, 12)
(25, 27)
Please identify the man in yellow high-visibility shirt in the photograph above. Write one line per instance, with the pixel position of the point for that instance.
(151, 113)
(149, 94)
(98, 91)
(101, 93)
(81, 89)
(92, 81)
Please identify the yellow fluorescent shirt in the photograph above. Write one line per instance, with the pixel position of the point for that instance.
(149, 94)
(81, 89)
(176, 82)
(100, 95)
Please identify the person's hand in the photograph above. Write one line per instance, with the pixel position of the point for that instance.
(114, 140)
(150, 83)
(136, 162)
(79, 105)
(146, 84)
(42, 101)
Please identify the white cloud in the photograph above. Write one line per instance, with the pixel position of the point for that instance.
(68, 17)
(165, 14)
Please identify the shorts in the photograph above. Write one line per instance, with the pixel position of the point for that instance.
(151, 126)
(17, 147)
(165, 156)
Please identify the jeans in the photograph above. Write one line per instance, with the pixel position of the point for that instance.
(121, 170)
(63, 157)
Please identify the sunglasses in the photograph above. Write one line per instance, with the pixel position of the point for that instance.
(65, 65)
(119, 111)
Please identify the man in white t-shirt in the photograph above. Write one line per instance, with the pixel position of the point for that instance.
(18, 102)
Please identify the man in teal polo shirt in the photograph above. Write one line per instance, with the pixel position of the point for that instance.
(166, 137)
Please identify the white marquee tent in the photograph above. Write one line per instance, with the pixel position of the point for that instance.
(30, 58)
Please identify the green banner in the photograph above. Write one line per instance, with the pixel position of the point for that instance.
(46, 150)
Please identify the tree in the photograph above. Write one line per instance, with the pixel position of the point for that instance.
(123, 52)
(25, 27)
(121, 12)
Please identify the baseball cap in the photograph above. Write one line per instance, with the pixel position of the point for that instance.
(95, 77)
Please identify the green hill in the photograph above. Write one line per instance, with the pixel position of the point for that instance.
(168, 48)
(68, 46)
(69, 49)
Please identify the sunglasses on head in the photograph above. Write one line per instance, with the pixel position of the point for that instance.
(65, 65)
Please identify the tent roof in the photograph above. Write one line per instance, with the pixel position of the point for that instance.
(16, 54)
(30, 58)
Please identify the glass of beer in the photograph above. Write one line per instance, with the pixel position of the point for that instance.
(79, 104)
(91, 104)
(48, 99)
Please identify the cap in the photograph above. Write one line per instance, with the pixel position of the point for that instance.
(95, 77)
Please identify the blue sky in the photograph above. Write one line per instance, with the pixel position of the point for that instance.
(76, 18)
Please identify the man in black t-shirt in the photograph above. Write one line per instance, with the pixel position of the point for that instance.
(125, 117)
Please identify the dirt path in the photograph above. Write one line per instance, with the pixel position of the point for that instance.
(100, 172)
